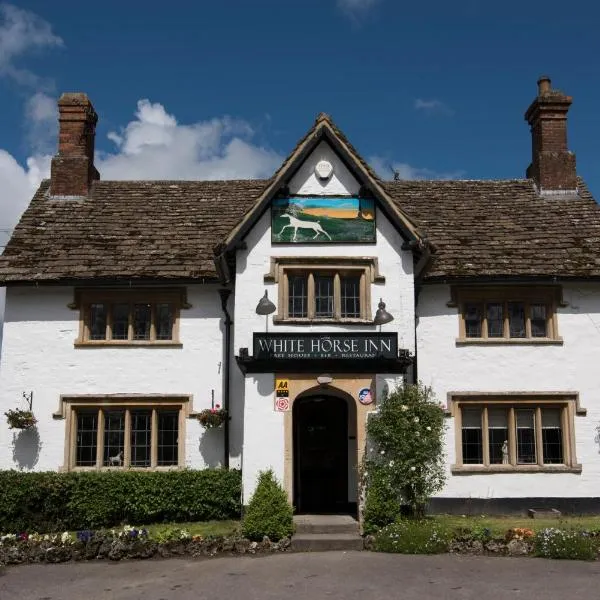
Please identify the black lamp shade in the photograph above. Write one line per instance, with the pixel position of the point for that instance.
(382, 316)
(265, 306)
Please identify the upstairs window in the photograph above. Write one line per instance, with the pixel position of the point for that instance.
(129, 318)
(508, 314)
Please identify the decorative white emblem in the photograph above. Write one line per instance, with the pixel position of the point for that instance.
(323, 169)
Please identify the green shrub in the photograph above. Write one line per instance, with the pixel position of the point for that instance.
(410, 536)
(404, 464)
(269, 512)
(565, 543)
(60, 501)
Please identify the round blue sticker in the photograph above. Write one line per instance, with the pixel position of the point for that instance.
(364, 396)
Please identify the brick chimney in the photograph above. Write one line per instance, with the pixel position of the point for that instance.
(73, 170)
(552, 165)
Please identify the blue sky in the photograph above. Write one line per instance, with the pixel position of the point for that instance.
(225, 88)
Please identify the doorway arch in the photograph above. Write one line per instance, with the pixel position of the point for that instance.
(324, 452)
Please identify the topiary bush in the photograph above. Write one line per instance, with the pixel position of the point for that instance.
(404, 464)
(61, 501)
(269, 513)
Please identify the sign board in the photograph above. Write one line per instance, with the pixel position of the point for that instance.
(282, 388)
(303, 346)
(365, 396)
(282, 404)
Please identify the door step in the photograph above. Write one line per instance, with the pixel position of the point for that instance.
(320, 533)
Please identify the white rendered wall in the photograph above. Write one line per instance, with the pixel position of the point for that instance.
(38, 355)
(306, 183)
(512, 368)
(263, 428)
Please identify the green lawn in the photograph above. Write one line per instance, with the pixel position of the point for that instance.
(499, 525)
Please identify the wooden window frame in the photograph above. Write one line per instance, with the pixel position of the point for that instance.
(70, 406)
(85, 298)
(550, 296)
(366, 268)
(567, 403)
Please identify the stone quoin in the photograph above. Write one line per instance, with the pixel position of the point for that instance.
(294, 304)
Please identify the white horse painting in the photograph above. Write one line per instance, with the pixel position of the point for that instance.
(299, 224)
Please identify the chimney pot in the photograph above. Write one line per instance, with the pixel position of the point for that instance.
(72, 169)
(544, 85)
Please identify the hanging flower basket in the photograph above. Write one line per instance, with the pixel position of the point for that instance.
(20, 419)
(212, 417)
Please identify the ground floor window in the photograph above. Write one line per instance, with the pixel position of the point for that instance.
(137, 435)
(504, 433)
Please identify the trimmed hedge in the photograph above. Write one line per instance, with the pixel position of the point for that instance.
(52, 501)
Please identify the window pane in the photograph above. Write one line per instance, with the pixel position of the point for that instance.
(97, 322)
(350, 297)
(495, 320)
(516, 319)
(472, 445)
(120, 321)
(142, 313)
(498, 435)
(473, 320)
(526, 436)
(298, 296)
(141, 438)
(539, 323)
(552, 436)
(168, 446)
(164, 321)
(324, 296)
(114, 438)
(87, 438)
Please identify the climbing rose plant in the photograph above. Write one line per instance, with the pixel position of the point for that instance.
(404, 462)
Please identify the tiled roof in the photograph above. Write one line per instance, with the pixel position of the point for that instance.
(127, 230)
(503, 228)
(167, 230)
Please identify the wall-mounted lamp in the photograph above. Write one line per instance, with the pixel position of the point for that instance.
(382, 316)
(265, 307)
(324, 379)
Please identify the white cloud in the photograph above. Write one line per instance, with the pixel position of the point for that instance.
(387, 169)
(155, 146)
(42, 122)
(22, 31)
(433, 107)
(356, 8)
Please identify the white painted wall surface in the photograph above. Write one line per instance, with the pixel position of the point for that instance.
(341, 183)
(570, 367)
(260, 429)
(38, 355)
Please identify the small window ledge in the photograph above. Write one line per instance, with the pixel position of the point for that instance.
(509, 342)
(121, 469)
(292, 321)
(495, 469)
(127, 344)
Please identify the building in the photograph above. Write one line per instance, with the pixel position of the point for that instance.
(133, 305)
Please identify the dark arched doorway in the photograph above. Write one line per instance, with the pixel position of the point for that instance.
(321, 454)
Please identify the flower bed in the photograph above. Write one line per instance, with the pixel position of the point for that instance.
(125, 543)
(429, 537)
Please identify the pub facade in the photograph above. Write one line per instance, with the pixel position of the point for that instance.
(295, 304)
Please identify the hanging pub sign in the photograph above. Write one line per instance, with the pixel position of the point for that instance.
(301, 346)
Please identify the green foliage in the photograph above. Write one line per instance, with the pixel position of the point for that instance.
(404, 463)
(566, 543)
(413, 537)
(269, 512)
(62, 501)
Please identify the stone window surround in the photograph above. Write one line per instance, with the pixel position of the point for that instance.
(84, 297)
(69, 404)
(550, 295)
(365, 266)
(569, 401)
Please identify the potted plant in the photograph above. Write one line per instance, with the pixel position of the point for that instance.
(212, 417)
(20, 419)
